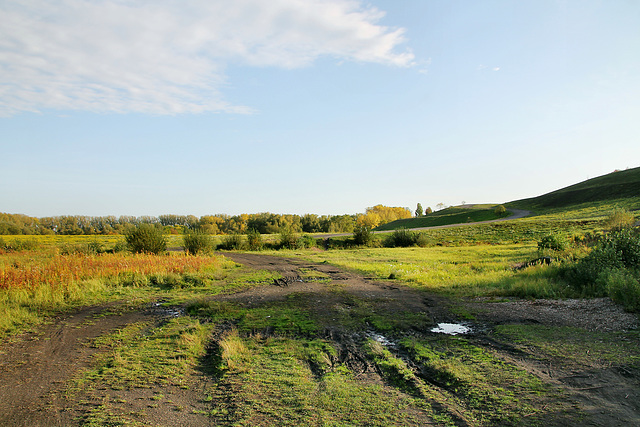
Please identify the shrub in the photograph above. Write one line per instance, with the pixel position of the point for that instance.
(620, 219)
(306, 241)
(254, 240)
(196, 242)
(553, 242)
(612, 268)
(624, 288)
(500, 210)
(120, 246)
(232, 242)
(363, 235)
(423, 240)
(401, 238)
(146, 238)
(288, 239)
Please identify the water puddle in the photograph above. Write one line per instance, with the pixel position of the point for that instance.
(381, 339)
(451, 329)
(168, 311)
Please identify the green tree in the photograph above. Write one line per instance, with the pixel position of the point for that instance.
(419, 211)
(500, 210)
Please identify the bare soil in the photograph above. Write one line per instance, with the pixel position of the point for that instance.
(36, 367)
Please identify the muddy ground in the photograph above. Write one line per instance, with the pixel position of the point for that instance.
(36, 367)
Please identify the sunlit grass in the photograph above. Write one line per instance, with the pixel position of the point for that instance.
(462, 270)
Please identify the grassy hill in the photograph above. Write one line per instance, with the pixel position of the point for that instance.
(448, 216)
(616, 185)
(588, 199)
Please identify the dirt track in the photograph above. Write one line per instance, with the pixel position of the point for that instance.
(35, 367)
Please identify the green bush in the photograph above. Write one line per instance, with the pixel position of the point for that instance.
(611, 269)
(196, 242)
(307, 241)
(288, 239)
(232, 242)
(423, 240)
(500, 210)
(254, 240)
(146, 238)
(402, 238)
(553, 242)
(362, 235)
(623, 288)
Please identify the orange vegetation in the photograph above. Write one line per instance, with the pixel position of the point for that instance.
(28, 272)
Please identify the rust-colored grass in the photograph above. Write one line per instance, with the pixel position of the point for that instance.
(28, 271)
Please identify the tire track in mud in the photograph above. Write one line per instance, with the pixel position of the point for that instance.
(36, 366)
(608, 396)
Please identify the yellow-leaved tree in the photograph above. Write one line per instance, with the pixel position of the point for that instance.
(380, 214)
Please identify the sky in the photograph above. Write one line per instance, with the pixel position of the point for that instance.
(201, 107)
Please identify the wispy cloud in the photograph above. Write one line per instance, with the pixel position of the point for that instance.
(486, 67)
(169, 57)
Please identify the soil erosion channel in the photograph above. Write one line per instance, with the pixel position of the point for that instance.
(36, 367)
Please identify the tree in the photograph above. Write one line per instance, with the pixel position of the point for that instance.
(419, 211)
(428, 211)
(500, 210)
(385, 214)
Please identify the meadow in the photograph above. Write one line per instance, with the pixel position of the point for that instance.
(201, 339)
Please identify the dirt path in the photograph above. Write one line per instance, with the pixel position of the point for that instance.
(36, 367)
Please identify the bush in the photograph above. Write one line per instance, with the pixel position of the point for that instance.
(619, 220)
(146, 238)
(611, 269)
(232, 242)
(363, 235)
(401, 238)
(500, 210)
(624, 288)
(288, 239)
(423, 240)
(553, 242)
(306, 241)
(254, 240)
(196, 242)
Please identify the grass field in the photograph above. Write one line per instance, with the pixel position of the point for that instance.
(334, 349)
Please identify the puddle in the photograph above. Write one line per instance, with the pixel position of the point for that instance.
(451, 329)
(381, 339)
(168, 311)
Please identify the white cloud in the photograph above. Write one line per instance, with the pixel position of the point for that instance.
(168, 56)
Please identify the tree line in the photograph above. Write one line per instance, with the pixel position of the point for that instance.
(264, 223)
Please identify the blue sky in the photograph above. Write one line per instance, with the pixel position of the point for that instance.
(118, 107)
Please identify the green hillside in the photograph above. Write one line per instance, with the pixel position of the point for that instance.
(616, 185)
(448, 216)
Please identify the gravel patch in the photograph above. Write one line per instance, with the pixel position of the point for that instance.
(597, 314)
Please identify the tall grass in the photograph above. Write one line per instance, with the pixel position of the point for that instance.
(34, 284)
